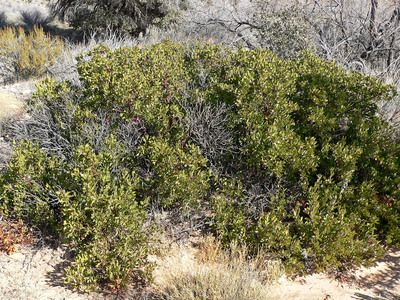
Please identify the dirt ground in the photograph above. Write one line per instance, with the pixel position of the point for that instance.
(37, 274)
(382, 281)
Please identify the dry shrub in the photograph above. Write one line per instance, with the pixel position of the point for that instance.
(28, 54)
(13, 234)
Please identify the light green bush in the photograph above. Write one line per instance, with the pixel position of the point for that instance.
(104, 223)
(314, 128)
(29, 186)
(181, 177)
(310, 175)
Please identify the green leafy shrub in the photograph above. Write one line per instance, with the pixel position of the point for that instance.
(146, 86)
(314, 128)
(309, 173)
(181, 176)
(230, 213)
(29, 187)
(91, 203)
(47, 185)
(296, 126)
(104, 223)
(29, 54)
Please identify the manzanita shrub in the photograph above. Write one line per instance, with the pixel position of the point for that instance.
(290, 156)
(74, 177)
(104, 223)
(91, 201)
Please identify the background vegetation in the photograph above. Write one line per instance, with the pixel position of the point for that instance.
(255, 139)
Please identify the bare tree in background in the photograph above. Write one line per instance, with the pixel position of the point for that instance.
(221, 21)
(250, 24)
(360, 35)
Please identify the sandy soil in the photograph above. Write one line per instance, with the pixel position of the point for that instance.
(10, 103)
(382, 281)
(37, 274)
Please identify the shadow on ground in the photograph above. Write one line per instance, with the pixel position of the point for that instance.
(385, 281)
(55, 279)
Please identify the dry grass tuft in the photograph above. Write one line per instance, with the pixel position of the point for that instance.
(213, 273)
(9, 104)
(266, 270)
